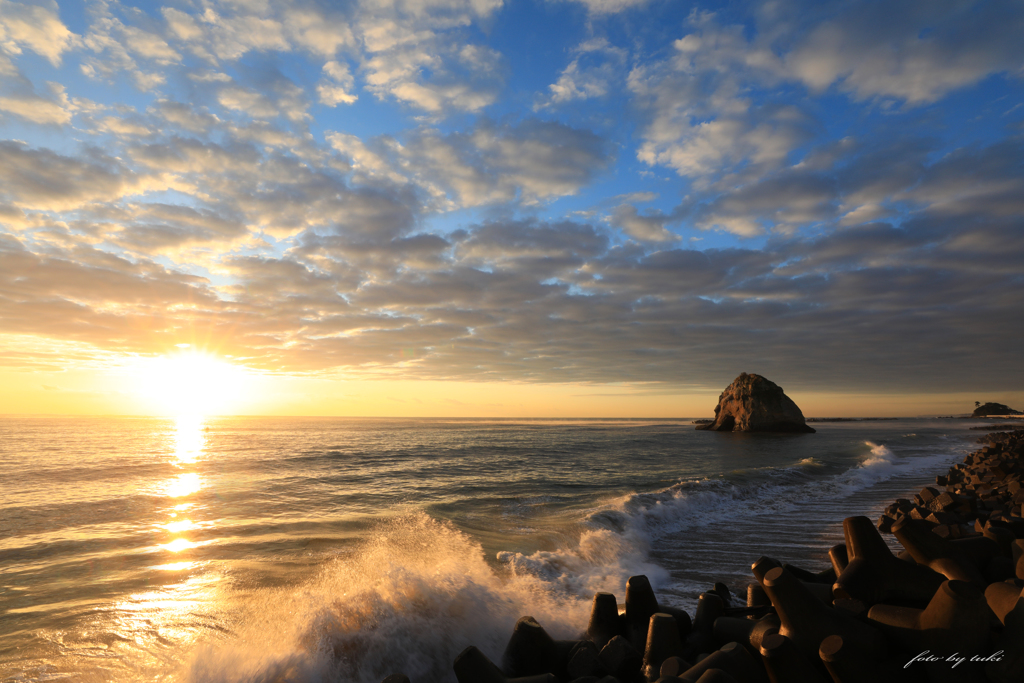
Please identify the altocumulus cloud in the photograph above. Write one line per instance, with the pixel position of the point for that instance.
(430, 189)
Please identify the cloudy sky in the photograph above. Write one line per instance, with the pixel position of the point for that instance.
(514, 207)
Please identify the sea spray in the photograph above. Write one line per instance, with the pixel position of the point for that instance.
(409, 599)
(615, 542)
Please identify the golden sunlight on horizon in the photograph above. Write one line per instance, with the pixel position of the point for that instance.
(190, 384)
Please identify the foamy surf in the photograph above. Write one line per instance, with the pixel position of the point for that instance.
(419, 591)
(615, 542)
(410, 599)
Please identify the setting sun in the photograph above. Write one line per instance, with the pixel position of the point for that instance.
(192, 383)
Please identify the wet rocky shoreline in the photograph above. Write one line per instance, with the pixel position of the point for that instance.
(949, 607)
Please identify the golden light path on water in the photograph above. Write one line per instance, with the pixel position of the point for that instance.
(188, 442)
(168, 611)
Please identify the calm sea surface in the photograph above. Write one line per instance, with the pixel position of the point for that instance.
(294, 549)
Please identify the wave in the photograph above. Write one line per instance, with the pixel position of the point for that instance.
(409, 599)
(418, 591)
(615, 542)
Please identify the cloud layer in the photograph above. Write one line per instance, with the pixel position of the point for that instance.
(833, 195)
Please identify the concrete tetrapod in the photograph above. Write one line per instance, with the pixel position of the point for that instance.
(716, 676)
(641, 603)
(1010, 647)
(807, 621)
(1002, 597)
(756, 597)
(1003, 538)
(874, 574)
(747, 632)
(786, 663)
(847, 665)
(531, 651)
(723, 592)
(604, 620)
(701, 638)
(621, 659)
(839, 556)
(584, 661)
(762, 566)
(734, 660)
(473, 666)
(937, 553)
(826, 576)
(673, 666)
(663, 641)
(955, 621)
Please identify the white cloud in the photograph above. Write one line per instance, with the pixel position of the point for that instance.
(149, 45)
(123, 126)
(336, 86)
(915, 51)
(252, 102)
(184, 116)
(417, 52)
(36, 27)
(530, 162)
(399, 70)
(281, 98)
(39, 179)
(710, 104)
(611, 6)
(648, 228)
(597, 66)
(231, 37)
(25, 103)
(318, 32)
(703, 118)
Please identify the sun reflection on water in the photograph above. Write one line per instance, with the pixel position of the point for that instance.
(175, 566)
(188, 447)
(180, 525)
(183, 485)
(166, 613)
(189, 438)
(178, 544)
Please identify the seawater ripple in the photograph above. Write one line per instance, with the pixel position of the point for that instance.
(319, 549)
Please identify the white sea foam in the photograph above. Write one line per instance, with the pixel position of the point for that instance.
(410, 599)
(615, 541)
(419, 591)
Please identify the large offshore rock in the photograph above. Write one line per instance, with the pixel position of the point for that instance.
(755, 404)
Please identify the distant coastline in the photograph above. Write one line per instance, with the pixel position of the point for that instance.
(851, 419)
(707, 420)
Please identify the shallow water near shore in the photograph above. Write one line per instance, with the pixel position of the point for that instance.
(301, 549)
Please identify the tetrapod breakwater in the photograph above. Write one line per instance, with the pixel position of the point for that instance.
(948, 607)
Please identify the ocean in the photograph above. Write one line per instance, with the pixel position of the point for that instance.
(329, 549)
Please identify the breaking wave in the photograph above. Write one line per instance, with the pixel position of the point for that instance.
(408, 600)
(419, 591)
(615, 542)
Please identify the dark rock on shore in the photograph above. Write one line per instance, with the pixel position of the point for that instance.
(949, 608)
(994, 409)
(984, 490)
(755, 404)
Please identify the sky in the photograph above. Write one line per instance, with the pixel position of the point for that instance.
(510, 207)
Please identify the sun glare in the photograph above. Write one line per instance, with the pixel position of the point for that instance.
(189, 383)
(183, 485)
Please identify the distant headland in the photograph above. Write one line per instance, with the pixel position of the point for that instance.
(993, 410)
